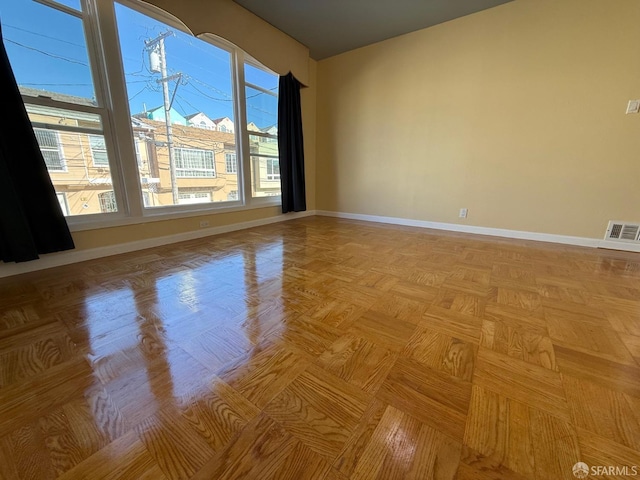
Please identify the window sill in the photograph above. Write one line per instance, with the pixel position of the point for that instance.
(154, 216)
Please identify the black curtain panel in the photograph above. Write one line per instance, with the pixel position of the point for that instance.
(31, 221)
(290, 145)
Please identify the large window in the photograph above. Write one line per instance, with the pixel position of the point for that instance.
(168, 139)
(49, 48)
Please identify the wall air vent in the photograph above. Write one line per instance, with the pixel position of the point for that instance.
(623, 232)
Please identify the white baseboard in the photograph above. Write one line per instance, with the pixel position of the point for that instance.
(75, 256)
(611, 245)
(496, 232)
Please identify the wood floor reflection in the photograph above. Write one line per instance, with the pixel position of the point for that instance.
(323, 349)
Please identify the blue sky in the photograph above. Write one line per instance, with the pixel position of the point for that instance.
(47, 51)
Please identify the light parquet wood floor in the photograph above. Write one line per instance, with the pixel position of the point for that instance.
(323, 349)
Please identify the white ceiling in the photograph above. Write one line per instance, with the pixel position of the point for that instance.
(330, 27)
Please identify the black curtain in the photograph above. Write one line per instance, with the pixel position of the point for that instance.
(31, 221)
(290, 145)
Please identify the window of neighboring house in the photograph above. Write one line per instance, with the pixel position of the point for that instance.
(232, 162)
(273, 169)
(108, 202)
(49, 142)
(136, 144)
(193, 197)
(191, 162)
(98, 151)
(232, 195)
(62, 200)
(87, 98)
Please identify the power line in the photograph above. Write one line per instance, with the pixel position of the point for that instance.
(44, 36)
(182, 110)
(143, 89)
(188, 103)
(47, 53)
(206, 94)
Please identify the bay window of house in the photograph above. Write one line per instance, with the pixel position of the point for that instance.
(134, 116)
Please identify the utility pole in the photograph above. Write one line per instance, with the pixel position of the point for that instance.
(156, 46)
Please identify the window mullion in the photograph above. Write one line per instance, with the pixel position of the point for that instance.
(243, 144)
(118, 124)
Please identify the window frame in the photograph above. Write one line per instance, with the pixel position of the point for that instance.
(95, 54)
(266, 199)
(112, 107)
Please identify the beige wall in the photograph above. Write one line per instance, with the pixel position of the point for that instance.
(516, 113)
(269, 46)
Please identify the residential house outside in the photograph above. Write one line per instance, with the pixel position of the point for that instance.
(224, 124)
(265, 163)
(205, 161)
(78, 162)
(200, 120)
(158, 114)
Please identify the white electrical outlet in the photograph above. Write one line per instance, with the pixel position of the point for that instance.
(204, 223)
(463, 213)
(633, 106)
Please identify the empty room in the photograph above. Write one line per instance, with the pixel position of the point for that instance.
(329, 240)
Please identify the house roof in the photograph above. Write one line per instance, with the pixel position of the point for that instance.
(218, 120)
(60, 97)
(189, 117)
(137, 123)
